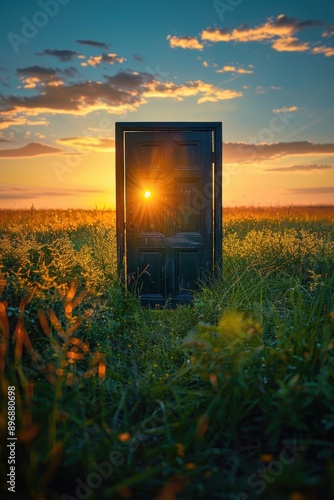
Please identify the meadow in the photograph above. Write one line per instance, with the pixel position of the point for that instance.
(231, 397)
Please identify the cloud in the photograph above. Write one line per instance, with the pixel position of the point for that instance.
(215, 35)
(39, 71)
(34, 76)
(185, 42)
(130, 81)
(311, 190)
(282, 26)
(329, 32)
(9, 192)
(286, 109)
(290, 44)
(93, 43)
(31, 149)
(84, 143)
(310, 167)
(61, 55)
(322, 49)
(278, 31)
(7, 121)
(233, 69)
(207, 91)
(103, 58)
(242, 152)
(152, 88)
(77, 99)
(125, 91)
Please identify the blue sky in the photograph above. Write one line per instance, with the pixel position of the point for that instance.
(70, 69)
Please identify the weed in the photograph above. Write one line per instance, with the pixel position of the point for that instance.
(230, 397)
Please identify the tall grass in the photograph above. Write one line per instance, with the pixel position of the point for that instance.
(231, 397)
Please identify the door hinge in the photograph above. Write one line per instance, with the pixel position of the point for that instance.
(213, 157)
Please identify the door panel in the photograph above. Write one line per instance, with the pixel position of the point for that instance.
(151, 268)
(188, 264)
(187, 155)
(149, 155)
(168, 211)
(187, 193)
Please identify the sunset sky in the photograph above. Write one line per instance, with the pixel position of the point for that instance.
(70, 69)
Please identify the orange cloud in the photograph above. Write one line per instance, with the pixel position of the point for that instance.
(104, 58)
(327, 51)
(290, 44)
(125, 91)
(34, 82)
(285, 109)
(56, 83)
(11, 121)
(184, 42)
(280, 31)
(77, 99)
(85, 143)
(210, 93)
(233, 69)
(329, 32)
(38, 76)
(31, 83)
(7, 121)
(282, 26)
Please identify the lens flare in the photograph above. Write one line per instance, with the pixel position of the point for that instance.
(147, 194)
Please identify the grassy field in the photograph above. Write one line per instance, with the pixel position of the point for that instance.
(231, 397)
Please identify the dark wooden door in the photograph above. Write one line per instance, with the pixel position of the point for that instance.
(169, 204)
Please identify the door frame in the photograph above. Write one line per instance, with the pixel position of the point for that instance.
(120, 129)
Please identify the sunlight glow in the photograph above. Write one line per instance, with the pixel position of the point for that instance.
(147, 194)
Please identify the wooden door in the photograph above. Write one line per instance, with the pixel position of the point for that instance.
(169, 206)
